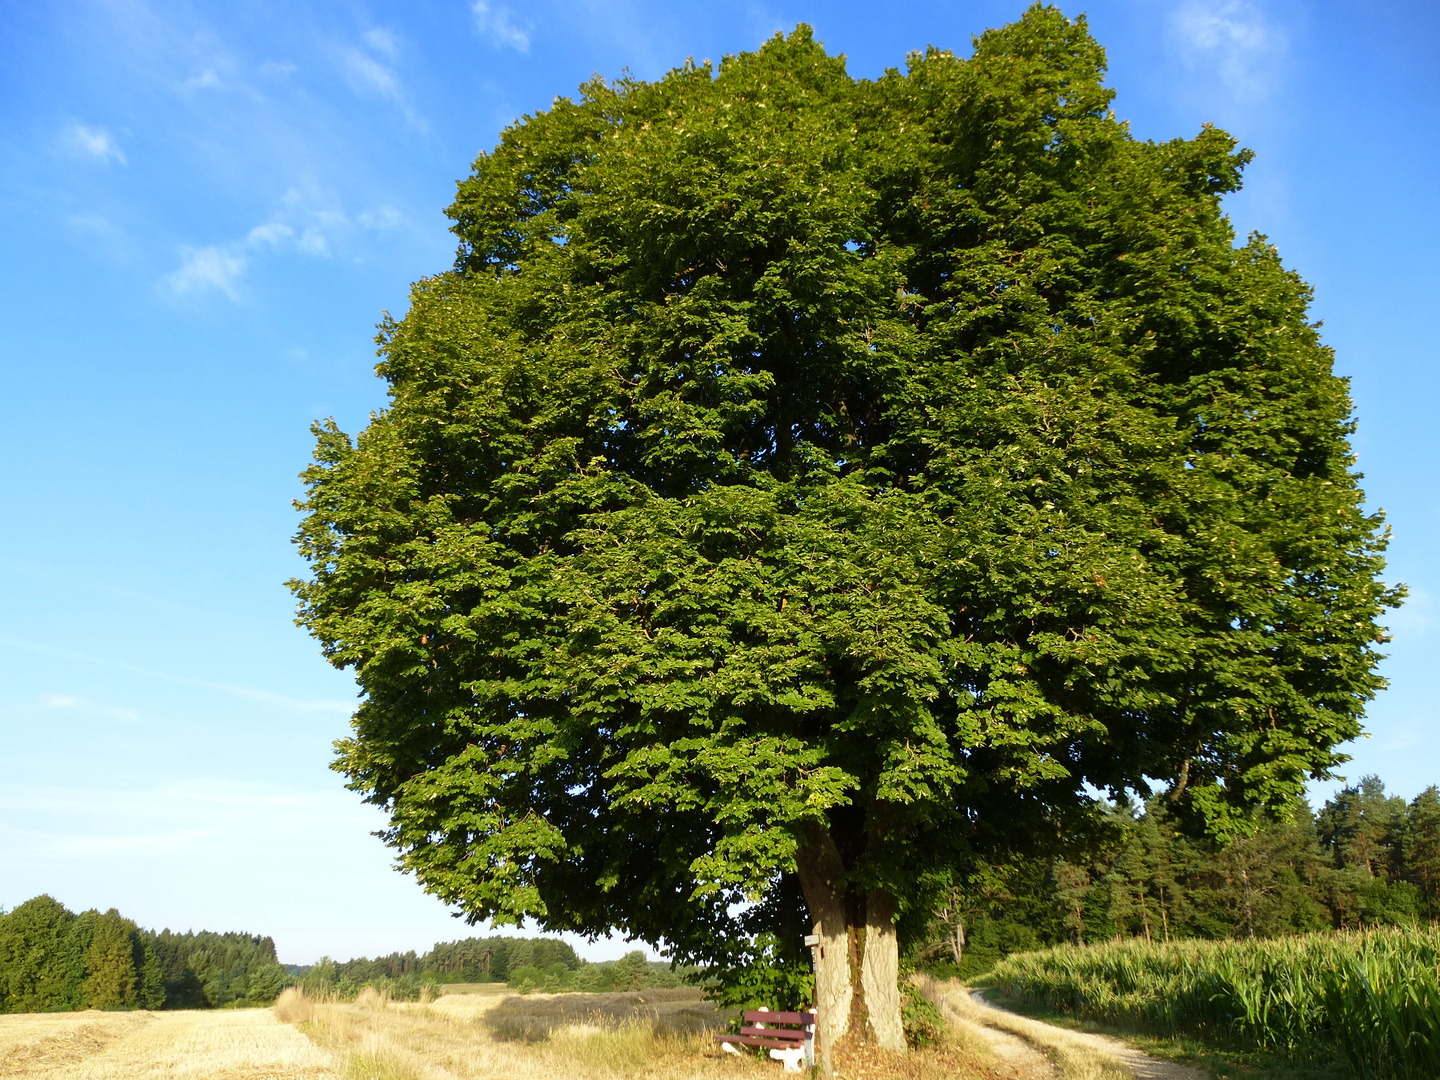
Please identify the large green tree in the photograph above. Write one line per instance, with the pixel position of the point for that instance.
(803, 489)
(41, 957)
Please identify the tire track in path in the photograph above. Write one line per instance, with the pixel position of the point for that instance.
(1041, 1051)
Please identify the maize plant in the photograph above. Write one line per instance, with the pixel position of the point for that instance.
(1373, 995)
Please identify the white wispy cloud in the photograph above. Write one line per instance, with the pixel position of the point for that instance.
(277, 69)
(312, 241)
(93, 142)
(370, 77)
(83, 706)
(382, 217)
(212, 66)
(220, 267)
(367, 75)
(497, 24)
(96, 225)
(270, 234)
(50, 823)
(382, 40)
(205, 269)
(208, 79)
(328, 706)
(1234, 39)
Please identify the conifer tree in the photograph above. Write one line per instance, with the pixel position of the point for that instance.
(110, 972)
(1421, 848)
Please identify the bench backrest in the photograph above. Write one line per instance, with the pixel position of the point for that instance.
(760, 1016)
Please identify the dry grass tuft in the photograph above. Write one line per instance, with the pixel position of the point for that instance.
(377, 1061)
(370, 998)
(293, 1007)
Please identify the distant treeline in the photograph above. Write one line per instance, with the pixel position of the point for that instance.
(1363, 859)
(522, 963)
(53, 960)
(472, 960)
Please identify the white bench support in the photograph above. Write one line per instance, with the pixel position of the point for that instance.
(793, 1059)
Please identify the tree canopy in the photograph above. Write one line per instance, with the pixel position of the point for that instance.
(803, 487)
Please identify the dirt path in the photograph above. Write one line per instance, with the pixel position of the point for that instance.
(1136, 1062)
(1015, 1054)
(1040, 1051)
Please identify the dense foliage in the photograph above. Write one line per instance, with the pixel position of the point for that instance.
(53, 960)
(804, 492)
(1364, 860)
(205, 970)
(522, 963)
(1373, 994)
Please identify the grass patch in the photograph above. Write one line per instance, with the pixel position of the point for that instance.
(660, 1013)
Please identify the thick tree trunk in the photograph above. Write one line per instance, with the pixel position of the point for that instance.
(822, 879)
(880, 971)
(857, 963)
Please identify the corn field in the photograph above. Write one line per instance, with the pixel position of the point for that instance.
(1374, 995)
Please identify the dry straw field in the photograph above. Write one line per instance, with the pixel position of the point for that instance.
(650, 1035)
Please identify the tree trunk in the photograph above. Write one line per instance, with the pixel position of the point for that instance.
(957, 936)
(880, 971)
(1249, 911)
(822, 879)
(857, 962)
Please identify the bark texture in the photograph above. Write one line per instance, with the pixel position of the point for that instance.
(880, 971)
(822, 879)
(857, 963)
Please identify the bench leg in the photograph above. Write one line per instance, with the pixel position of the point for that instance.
(791, 1058)
(730, 1048)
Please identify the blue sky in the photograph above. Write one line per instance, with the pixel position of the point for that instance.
(207, 207)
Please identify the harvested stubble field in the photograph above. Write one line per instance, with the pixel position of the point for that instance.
(652, 1035)
(246, 1044)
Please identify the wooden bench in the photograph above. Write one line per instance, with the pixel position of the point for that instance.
(790, 1037)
